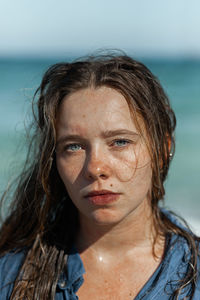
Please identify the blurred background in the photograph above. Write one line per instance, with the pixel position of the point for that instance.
(165, 35)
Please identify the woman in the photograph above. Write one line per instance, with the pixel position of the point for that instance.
(85, 221)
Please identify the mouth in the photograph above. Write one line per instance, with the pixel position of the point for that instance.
(102, 197)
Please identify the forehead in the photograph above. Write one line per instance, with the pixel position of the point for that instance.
(100, 109)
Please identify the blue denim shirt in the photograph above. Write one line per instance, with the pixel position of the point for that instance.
(159, 286)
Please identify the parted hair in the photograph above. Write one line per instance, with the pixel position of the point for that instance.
(42, 218)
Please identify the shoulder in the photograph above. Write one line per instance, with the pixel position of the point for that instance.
(183, 255)
(181, 237)
(10, 265)
(180, 225)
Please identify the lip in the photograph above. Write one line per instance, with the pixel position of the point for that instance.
(102, 197)
(100, 192)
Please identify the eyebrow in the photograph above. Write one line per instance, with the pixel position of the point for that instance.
(66, 138)
(105, 134)
(110, 133)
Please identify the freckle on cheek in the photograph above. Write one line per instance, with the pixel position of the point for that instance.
(111, 184)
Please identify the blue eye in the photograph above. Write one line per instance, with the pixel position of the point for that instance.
(121, 143)
(73, 147)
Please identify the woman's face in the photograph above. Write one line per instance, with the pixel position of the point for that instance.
(99, 148)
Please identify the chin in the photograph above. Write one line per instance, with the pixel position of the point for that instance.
(105, 217)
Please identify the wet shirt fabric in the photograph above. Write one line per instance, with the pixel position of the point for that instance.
(160, 285)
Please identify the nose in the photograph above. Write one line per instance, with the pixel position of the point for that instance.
(97, 166)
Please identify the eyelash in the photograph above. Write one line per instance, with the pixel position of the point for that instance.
(127, 142)
(122, 140)
(67, 147)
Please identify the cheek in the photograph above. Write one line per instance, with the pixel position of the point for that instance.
(67, 171)
(142, 181)
(132, 163)
(124, 167)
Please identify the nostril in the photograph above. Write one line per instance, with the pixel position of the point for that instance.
(97, 175)
(102, 175)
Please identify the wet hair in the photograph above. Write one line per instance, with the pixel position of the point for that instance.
(42, 218)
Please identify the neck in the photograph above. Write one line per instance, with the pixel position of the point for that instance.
(136, 231)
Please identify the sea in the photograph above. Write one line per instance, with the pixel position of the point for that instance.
(19, 78)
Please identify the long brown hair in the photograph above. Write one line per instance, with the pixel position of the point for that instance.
(41, 207)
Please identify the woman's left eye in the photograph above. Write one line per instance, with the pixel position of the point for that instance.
(121, 143)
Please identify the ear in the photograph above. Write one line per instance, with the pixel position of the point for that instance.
(170, 147)
(168, 151)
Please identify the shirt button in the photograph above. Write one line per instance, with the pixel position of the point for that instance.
(63, 284)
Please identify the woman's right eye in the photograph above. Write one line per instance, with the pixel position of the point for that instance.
(72, 147)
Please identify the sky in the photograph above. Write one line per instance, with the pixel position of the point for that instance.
(60, 27)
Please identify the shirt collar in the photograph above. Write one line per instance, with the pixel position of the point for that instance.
(73, 277)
